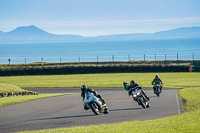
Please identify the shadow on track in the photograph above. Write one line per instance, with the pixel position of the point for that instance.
(124, 109)
(66, 117)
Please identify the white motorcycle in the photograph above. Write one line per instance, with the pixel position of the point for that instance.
(95, 104)
(139, 98)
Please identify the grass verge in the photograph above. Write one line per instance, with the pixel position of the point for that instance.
(4, 101)
(10, 88)
(19, 99)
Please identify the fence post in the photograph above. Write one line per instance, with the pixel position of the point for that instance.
(165, 57)
(79, 59)
(177, 56)
(113, 58)
(60, 60)
(25, 60)
(97, 59)
(9, 60)
(155, 57)
(129, 57)
(144, 57)
(42, 61)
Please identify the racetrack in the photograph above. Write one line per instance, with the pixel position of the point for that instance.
(67, 110)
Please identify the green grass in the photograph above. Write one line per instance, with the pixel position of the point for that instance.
(10, 88)
(186, 122)
(4, 101)
(19, 99)
(171, 80)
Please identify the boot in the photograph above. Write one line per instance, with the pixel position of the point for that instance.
(103, 101)
(145, 95)
(147, 98)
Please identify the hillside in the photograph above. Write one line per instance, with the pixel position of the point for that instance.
(33, 34)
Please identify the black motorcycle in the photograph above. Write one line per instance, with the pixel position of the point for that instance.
(157, 89)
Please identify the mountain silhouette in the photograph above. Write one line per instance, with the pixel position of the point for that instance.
(33, 34)
(28, 31)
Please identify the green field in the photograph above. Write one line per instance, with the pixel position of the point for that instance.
(186, 122)
(171, 80)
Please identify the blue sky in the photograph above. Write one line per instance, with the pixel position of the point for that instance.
(99, 17)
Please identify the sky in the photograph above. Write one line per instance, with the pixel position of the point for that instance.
(99, 17)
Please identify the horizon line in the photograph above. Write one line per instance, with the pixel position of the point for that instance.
(105, 34)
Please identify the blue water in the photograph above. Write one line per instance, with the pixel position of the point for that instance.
(101, 51)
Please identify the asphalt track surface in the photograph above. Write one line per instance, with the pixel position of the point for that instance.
(67, 110)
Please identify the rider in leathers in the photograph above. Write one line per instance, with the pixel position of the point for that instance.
(132, 85)
(157, 80)
(84, 88)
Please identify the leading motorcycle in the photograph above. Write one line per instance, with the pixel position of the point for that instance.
(95, 104)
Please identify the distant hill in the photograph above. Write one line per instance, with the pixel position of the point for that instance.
(179, 33)
(28, 31)
(185, 32)
(33, 34)
(1, 32)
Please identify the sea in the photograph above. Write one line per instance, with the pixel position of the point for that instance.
(177, 49)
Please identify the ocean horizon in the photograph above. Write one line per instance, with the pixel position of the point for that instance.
(185, 49)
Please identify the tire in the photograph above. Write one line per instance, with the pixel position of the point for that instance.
(94, 109)
(157, 92)
(142, 103)
(148, 105)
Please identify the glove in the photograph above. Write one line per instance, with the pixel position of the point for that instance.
(124, 83)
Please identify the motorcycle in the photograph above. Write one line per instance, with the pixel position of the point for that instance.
(139, 98)
(95, 104)
(157, 89)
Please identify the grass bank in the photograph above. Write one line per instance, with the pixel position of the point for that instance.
(10, 88)
(186, 122)
(171, 80)
(4, 101)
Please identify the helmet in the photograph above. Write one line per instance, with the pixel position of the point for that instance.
(83, 87)
(156, 76)
(132, 82)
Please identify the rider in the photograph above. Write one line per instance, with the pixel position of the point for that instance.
(157, 80)
(132, 85)
(84, 89)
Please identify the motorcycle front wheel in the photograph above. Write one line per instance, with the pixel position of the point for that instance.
(94, 109)
(142, 103)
